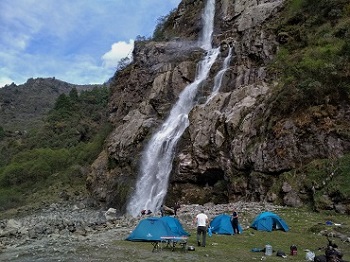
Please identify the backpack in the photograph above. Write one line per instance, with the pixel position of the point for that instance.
(333, 255)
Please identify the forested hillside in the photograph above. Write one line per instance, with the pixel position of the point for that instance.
(50, 160)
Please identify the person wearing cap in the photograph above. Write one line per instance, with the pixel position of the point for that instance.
(202, 222)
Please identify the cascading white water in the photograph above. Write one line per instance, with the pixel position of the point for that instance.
(208, 27)
(219, 75)
(157, 160)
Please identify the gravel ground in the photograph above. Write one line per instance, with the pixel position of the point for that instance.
(72, 233)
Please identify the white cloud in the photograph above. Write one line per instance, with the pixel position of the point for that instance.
(118, 51)
(5, 81)
(68, 39)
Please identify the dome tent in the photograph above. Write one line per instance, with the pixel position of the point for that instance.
(268, 221)
(221, 224)
(175, 225)
(153, 228)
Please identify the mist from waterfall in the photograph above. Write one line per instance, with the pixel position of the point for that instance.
(220, 75)
(157, 158)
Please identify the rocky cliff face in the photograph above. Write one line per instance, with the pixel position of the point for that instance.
(235, 147)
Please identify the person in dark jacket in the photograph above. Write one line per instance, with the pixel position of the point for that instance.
(176, 207)
(234, 221)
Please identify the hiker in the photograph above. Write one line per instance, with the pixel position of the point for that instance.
(176, 207)
(201, 220)
(161, 211)
(234, 221)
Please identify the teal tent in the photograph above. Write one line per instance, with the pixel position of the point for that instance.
(153, 228)
(174, 225)
(221, 224)
(268, 221)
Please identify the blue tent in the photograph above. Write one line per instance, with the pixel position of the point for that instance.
(174, 225)
(153, 228)
(268, 221)
(221, 224)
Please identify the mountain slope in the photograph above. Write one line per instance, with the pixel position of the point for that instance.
(49, 135)
(23, 106)
(277, 129)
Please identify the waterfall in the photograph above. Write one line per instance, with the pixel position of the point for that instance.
(208, 26)
(219, 75)
(157, 158)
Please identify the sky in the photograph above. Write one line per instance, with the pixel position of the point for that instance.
(76, 41)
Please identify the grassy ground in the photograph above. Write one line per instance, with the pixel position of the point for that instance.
(305, 228)
(304, 233)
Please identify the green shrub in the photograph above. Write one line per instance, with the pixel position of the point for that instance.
(330, 177)
(33, 166)
(2, 133)
(87, 152)
(342, 178)
(10, 199)
(295, 5)
(313, 64)
(163, 22)
(14, 174)
(72, 176)
(54, 154)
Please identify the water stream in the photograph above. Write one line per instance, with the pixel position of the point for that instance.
(157, 160)
(219, 76)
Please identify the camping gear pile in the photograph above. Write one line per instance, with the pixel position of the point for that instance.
(309, 256)
(293, 250)
(281, 253)
(268, 250)
(191, 248)
(332, 253)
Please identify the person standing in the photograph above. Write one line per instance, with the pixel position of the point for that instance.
(161, 210)
(176, 207)
(234, 222)
(201, 221)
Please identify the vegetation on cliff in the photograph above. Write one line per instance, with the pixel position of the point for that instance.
(313, 60)
(312, 65)
(54, 156)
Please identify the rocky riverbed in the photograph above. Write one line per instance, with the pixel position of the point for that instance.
(63, 232)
